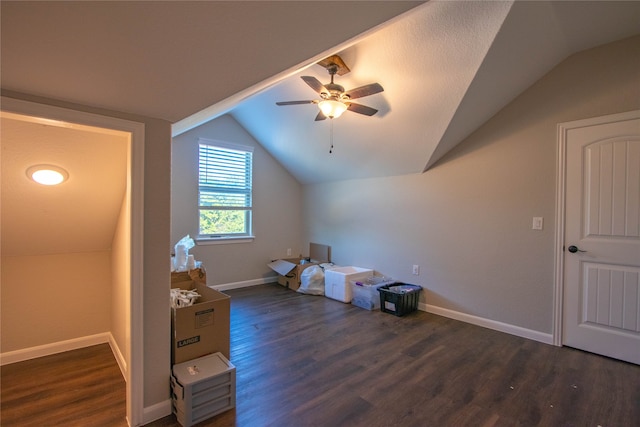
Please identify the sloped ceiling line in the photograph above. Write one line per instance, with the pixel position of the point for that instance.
(425, 61)
(446, 66)
(230, 103)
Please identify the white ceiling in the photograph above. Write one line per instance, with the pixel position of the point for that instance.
(79, 215)
(160, 59)
(168, 59)
(446, 67)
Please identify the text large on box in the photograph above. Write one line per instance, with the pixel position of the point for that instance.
(202, 328)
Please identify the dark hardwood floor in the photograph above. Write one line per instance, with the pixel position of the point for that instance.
(75, 388)
(311, 361)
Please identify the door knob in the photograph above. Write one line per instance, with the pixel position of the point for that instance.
(573, 249)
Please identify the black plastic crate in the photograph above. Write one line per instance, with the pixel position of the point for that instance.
(399, 298)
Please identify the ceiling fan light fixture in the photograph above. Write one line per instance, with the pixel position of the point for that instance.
(332, 108)
(335, 100)
(47, 174)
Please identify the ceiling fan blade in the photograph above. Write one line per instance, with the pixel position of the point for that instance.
(314, 83)
(320, 116)
(365, 90)
(295, 102)
(361, 109)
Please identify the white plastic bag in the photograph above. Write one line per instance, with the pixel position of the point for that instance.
(183, 298)
(312, 281)
(182, 252)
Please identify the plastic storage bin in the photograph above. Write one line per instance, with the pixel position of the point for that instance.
(202, 388)
(337, 281)
(365, 291)
(399, 298)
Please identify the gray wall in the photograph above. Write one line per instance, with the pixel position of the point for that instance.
(277, 207)
(467, 221)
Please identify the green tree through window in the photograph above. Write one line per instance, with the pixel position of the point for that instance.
(224, 189)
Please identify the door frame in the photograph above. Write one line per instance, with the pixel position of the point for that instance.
(136, 130)
(562, 132)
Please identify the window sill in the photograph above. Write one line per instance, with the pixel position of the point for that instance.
(203, 241)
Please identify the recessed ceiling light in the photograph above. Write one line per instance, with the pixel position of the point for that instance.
(47, 174)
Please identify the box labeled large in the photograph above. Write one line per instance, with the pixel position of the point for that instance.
(337, 281)
(202, 388)
(202, 328)
(290, 269)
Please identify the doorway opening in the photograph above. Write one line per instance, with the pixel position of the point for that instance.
(127, 234)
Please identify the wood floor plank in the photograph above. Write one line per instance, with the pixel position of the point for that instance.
(311, 361)
(420, 369)
(76, 388)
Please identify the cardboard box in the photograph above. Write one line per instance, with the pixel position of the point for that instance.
(290, 269)
(184, 278)
(202, 328)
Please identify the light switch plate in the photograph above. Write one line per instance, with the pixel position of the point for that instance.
(537, 223)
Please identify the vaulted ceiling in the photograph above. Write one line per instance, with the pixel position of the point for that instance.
(160, 59)
(79, 215)
(169, 59)
(446, 67)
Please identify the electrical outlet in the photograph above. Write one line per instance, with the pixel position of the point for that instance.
(288, 251)
(416, 270)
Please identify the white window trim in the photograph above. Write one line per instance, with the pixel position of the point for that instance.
(223, 240)
(203, 240)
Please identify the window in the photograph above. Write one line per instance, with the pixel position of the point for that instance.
(224, 190)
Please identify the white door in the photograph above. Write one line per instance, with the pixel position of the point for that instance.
(601, 310)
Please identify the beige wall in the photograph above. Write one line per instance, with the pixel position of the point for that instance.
(467, 221)
(276, 207)
(157, 211)
(157, 167)
(52, 298)
(120, 278)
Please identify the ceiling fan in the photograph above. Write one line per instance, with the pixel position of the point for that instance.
(334, 99)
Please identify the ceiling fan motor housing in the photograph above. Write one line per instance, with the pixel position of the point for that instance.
(335, 91)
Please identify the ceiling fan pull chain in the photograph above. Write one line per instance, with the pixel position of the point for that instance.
(331, 135)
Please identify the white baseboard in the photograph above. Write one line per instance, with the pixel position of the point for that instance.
(488, 323)
(452, 314)
(157, 411)
(53, 348)
(245, 284)
(120, 359)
